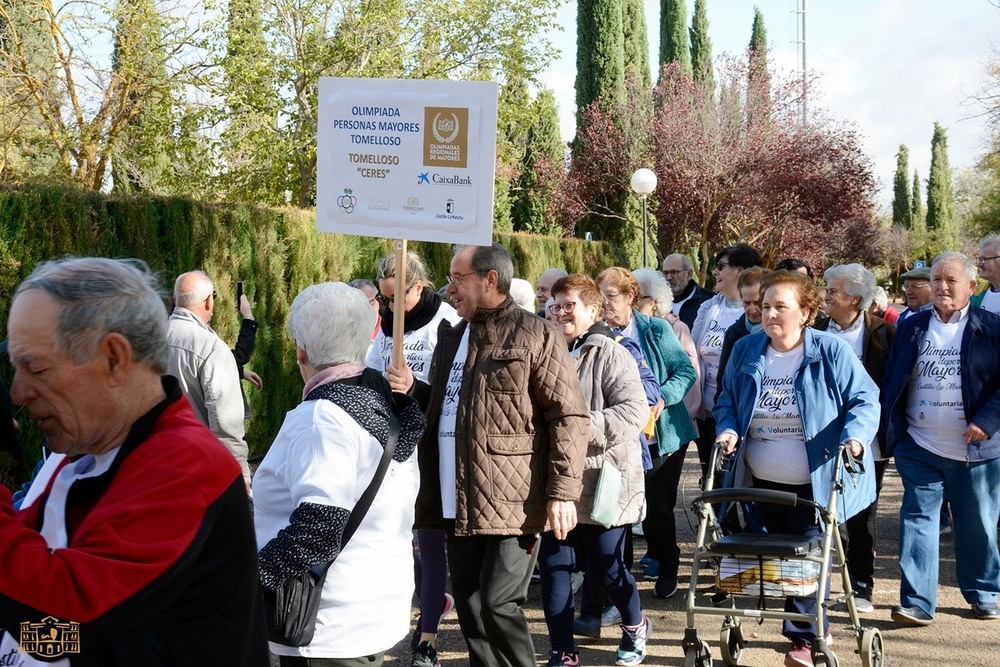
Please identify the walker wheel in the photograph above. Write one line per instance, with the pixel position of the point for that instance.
(872, 650)
(826, 658)
(698, 657)
(731, 641)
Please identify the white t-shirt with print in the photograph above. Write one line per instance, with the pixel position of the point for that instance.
(446, 428)
(935, 410)
(991, 301)
(775, 442)
(710, 349)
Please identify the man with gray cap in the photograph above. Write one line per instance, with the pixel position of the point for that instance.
(916, 291)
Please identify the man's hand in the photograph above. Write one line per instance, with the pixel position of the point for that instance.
(252, 378)
(400, 379)
(245, 309)
(562, 517)
(975, 434)
(730, 441)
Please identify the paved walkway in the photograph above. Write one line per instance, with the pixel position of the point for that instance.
(955, 639)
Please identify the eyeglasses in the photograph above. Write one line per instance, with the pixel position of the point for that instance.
(386, 300)
(611, 296)
(909, 287)
(455, 278)
(567, 308)
(722, 265)
(644, 296)
(674, 272)
(983, 260)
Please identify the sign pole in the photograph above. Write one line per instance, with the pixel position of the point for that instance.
(398, 360)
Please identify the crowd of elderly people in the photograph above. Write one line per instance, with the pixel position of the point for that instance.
(512, 438)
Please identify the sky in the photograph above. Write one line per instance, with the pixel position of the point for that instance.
(890, 67)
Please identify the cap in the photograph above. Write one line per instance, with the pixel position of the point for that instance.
(919, 273)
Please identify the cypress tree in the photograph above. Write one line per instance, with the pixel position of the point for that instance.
(673, 34)
(533, 205)
(143, 162)
(701, 47)
(636, 41)
(600, 53)
(759, 78)
(901, 206)
(940, 201)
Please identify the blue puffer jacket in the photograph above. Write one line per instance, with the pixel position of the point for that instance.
(673, 369)
(980, 357)
(838, 401)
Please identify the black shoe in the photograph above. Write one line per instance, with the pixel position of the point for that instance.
(424, 656)
(911, 616)
(665, 586)
(986, 612)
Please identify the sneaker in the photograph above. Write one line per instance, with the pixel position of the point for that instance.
(665, 587)
(610, 616)
(645, 560)
(563, 659)
(799, 655)
(632, 648)
(911, 616)
(587, 626)
(863, 598)
(425, 655)
(652, 571)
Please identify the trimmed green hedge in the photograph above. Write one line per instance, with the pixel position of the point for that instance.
(277, 252)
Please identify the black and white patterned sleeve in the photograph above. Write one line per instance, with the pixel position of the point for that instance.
(313, 536)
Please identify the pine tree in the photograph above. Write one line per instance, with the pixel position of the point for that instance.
(143, 162)
(918, 222)
(940, 200)
(901, 206)
(636, 41)
(701, 47)
(759, 89)
(673, 34)
(600, 53)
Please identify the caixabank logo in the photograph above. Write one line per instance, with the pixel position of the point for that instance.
(50, 638)
(446, 137)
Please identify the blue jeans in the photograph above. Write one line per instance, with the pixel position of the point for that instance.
(973, 489)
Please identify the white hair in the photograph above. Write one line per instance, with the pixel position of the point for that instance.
(653, 284)
(858, 281)
(523, 294)
(198, 289)
(949, 256)
(881, 297)
(332, 323)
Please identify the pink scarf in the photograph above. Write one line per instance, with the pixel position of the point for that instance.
(332, 374)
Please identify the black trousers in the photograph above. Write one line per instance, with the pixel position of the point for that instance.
(858, 535)
(660, 526)
(489, 578)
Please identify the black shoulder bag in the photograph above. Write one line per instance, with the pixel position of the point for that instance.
(292, 608)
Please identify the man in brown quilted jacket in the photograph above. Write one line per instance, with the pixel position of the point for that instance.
(502, 457)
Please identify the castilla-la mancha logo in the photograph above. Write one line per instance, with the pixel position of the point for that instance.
(446, 137)
(50, 637)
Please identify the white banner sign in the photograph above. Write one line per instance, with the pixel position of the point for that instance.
(407, 159)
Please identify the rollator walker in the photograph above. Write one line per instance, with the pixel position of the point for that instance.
(771, 565)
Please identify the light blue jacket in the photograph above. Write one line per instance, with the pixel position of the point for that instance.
(838, 401)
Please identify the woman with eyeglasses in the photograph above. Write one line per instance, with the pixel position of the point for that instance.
(709, 331)
(618, 410)
(423, 311)
(673, 429)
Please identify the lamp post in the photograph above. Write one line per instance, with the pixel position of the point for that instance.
(643, 182)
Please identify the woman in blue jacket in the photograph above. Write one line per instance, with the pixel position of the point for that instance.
(791, 397)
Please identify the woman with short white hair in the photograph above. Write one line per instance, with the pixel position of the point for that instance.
(850, 291)
(321, 461)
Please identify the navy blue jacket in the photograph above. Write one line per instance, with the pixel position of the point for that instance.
(980, 364)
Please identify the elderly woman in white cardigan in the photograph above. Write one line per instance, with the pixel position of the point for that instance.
(618, 410)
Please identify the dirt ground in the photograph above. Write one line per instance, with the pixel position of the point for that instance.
(955, 638)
